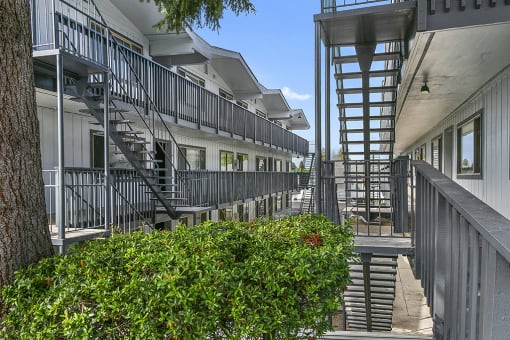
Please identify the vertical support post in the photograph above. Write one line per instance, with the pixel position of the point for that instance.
(106, 124)
(366, 258)
(441, 245)
(401, 224)
(327, 104)
(365, 55)
(60, 143)
(318, 121)
(54, 24)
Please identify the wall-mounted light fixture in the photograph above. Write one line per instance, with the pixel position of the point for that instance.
(425, 89)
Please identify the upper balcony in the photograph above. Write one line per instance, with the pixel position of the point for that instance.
(140, 83)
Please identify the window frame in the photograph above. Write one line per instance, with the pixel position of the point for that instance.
(191, 77)
(125, 41)
(225, 94)
(257, 162)
(240, 161)
(260, 113)
(185, 148)
(477, 120)
(226, 154)
(439, 139)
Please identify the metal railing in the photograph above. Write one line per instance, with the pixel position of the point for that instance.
(330, 6)
(215, 188)
(77, 30)
(462, 258)
(131, 203)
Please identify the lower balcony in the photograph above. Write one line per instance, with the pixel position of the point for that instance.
(82, 209)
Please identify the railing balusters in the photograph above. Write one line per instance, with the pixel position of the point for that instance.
(462, 257)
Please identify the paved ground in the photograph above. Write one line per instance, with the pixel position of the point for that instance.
(411, 315)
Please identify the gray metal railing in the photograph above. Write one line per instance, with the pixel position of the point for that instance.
(215, 188)
(60, 25)
(462, 258)
(329, 6)
(85, 204)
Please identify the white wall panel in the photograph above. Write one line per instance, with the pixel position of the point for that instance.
(494, 99)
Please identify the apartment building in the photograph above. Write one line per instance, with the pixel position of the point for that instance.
(427, 81)
(190, 132)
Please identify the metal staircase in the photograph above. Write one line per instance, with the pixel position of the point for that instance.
(307, 183)
(367, 77)
(381, 290)
(101, 93)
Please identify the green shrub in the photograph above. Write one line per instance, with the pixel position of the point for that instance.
(265, 279)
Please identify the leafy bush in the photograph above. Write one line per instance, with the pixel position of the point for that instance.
(265, 279)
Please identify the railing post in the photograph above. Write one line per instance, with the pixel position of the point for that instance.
(106, 124)
(60, 137)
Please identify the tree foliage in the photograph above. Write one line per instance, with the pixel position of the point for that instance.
(271, 279)
(198, 13)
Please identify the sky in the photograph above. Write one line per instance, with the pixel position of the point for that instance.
(277, 42)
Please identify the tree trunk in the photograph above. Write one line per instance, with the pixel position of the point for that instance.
(24, 233)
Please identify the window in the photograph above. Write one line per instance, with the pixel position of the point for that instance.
(469, 147)
(121, 39)
(195, 157)
(261, 163)
(97, 149)
(436, 151)
(278, 165)
(242, 104)
(226, 161)
(242, 162)
(226, 95)
(260, 113)
(417, 154)
(260, 208)
(191, 77)
(423, 152)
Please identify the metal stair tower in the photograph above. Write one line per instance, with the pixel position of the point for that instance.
(367, 77)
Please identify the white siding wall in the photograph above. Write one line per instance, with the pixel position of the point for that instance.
(77, 131)
(120, 23)
(76, 139)
(494, 100)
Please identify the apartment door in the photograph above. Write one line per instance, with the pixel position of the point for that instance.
(448, 151)
(163, 154)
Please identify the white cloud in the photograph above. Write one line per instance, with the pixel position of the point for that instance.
(290, 94)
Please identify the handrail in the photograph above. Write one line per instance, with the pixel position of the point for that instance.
(141, 83)
(329, 6)
(493, 226)
(266, 131)
(84, 193)
(462, 257)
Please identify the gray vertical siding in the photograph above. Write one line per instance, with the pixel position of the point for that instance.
(494, 99)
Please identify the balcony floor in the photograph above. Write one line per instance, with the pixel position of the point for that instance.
(411, 315)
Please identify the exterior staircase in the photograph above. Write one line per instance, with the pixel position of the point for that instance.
(101, 93)
(307, 183)
(381, 288)
(367, 77)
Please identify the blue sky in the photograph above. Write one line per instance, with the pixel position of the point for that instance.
(277, 42)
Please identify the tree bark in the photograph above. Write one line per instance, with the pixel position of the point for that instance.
(24, 233)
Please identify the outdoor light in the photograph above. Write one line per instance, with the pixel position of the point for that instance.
(425, 89)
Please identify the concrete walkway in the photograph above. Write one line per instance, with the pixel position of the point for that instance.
(411, 315)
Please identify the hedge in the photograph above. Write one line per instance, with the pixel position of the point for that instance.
(275, 279)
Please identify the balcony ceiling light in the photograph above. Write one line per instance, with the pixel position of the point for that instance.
(425, 89)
